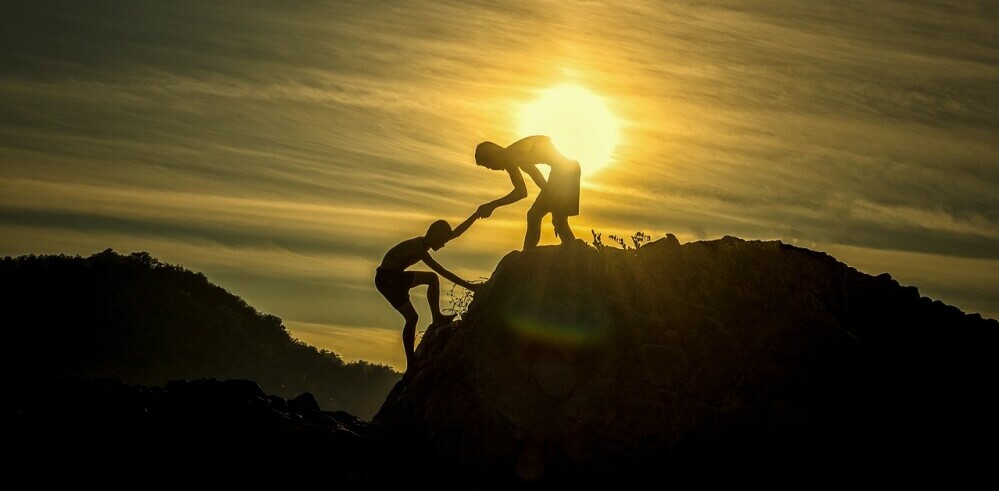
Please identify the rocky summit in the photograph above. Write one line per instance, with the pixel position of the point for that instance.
(717, 359)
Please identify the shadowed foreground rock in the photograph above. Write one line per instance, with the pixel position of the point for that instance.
(195, 428)
(720, 359)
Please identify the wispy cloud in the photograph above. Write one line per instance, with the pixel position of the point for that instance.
(283, 150)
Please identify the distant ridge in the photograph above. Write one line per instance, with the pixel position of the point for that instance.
(135, 319)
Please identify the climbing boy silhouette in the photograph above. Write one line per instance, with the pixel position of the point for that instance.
(394, 282)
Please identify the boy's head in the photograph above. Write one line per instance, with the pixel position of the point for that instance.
(438, 234)
(487, 155)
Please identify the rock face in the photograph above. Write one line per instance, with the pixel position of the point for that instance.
(581, 365)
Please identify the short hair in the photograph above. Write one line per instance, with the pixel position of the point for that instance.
(440, 227)
(485, 154)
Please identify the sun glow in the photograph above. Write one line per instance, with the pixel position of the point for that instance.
(579, 122)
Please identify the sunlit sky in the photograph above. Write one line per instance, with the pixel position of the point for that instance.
(282, 149)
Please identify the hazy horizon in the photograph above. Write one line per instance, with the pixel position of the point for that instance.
(282, 149)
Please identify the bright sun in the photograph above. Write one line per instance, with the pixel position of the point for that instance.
(578, 121)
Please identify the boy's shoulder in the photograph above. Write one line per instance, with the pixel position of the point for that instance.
(416, 241)
(404, 254)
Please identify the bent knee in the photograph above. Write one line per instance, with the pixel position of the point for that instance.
(535, 214)
(424, 278)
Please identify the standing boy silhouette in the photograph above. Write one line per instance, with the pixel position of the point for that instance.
(559, 193)
(394, 282)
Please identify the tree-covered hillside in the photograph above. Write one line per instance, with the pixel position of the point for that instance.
(133, 318)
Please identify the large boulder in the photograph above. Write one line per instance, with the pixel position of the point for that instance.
(588, 365)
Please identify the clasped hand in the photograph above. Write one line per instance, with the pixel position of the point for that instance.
(484, 211)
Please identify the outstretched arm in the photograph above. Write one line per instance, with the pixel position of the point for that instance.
(460, 229)
(519, 192)
(434, 265)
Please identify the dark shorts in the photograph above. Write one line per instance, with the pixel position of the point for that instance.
(561, 195)
(394, 285)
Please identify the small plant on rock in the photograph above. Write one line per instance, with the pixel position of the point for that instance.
(638, 239)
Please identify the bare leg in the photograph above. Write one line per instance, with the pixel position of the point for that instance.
(433, 283)
(409, 331)
(534, 216)
(561, 223)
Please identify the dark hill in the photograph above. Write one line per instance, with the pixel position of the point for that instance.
(723, 359)
(135, 319)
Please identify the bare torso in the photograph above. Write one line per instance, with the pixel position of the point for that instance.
(533, 150)
(405, 254)
(560, 194)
